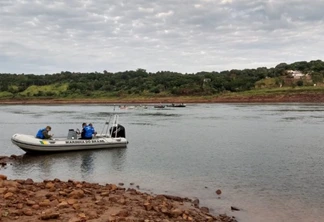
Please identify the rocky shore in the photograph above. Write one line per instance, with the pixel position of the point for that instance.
(80, 201)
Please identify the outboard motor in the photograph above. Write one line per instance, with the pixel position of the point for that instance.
(118, 131)
(72, 135)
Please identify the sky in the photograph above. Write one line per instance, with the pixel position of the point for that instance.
(186, 36)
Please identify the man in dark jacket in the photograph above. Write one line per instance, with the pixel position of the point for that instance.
(83, 130)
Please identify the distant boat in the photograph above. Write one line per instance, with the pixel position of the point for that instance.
(159, 106)
(141, 107)
(177, 105)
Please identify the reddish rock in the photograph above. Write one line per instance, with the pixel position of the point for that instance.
(49, 185)
(76, 194)
(29, 181)
(45, 203)
(8, 195)
(30, 202)
(176, 212)
(123, 213)
(113, 187)
(72, 201)
(92, 214)
(218, 192)
(105, 193)
(49, 216)
(27, 212)
(3, 190)
(12, 189)
(13, 212)
(63, 204)
(35, 206)
(68, 203)
(10, 183)
(3, 177)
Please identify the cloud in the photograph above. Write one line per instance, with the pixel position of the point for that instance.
(44, 36)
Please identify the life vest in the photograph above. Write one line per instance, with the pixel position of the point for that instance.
(88, 132)
(39, 134)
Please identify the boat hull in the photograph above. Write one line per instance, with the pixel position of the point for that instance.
(30, 144)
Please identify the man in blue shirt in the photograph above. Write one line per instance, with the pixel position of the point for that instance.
(43, 133)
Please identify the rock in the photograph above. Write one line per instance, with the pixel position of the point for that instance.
(77, 194)
(33, 201)
(27, 212)
(235, 208)
(76, 206)
(63, 204)
(8, 195)
(92, 214)
(176, 212)
(75, 219)
(196, 202)
(49, 216)
(29, 181)
(63, 193)
(14, 156)
(71, 201)
(3, 190)
(204, 209)
(122, 201)
(123, 213)
(49, 185)
(12, 212)
(3, 177)
(131, 184)
(82, 215)
(35, 207)
(170, 197)
(148, 206)
(44, 203)
(105, 194)
(121, 184)
(12, 189)
(30, 202)
(113, 187)
(218, 192)
(10, 183)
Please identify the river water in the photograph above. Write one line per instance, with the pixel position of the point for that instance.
(267, 159)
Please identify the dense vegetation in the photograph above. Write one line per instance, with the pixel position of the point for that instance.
(164, 83)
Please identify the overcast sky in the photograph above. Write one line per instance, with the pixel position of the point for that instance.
(187, 36)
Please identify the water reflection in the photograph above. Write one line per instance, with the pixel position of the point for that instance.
(118, 159)
(87, 163)
(75, 165)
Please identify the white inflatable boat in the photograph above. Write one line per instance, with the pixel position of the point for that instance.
(112, 139)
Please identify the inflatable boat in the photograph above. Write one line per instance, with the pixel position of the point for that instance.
(114, 138)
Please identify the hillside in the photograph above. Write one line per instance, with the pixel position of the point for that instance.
(285, 82)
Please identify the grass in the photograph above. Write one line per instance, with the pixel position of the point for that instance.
(55, 89)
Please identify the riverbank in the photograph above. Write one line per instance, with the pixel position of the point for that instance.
(296, 97)
(76, 201)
